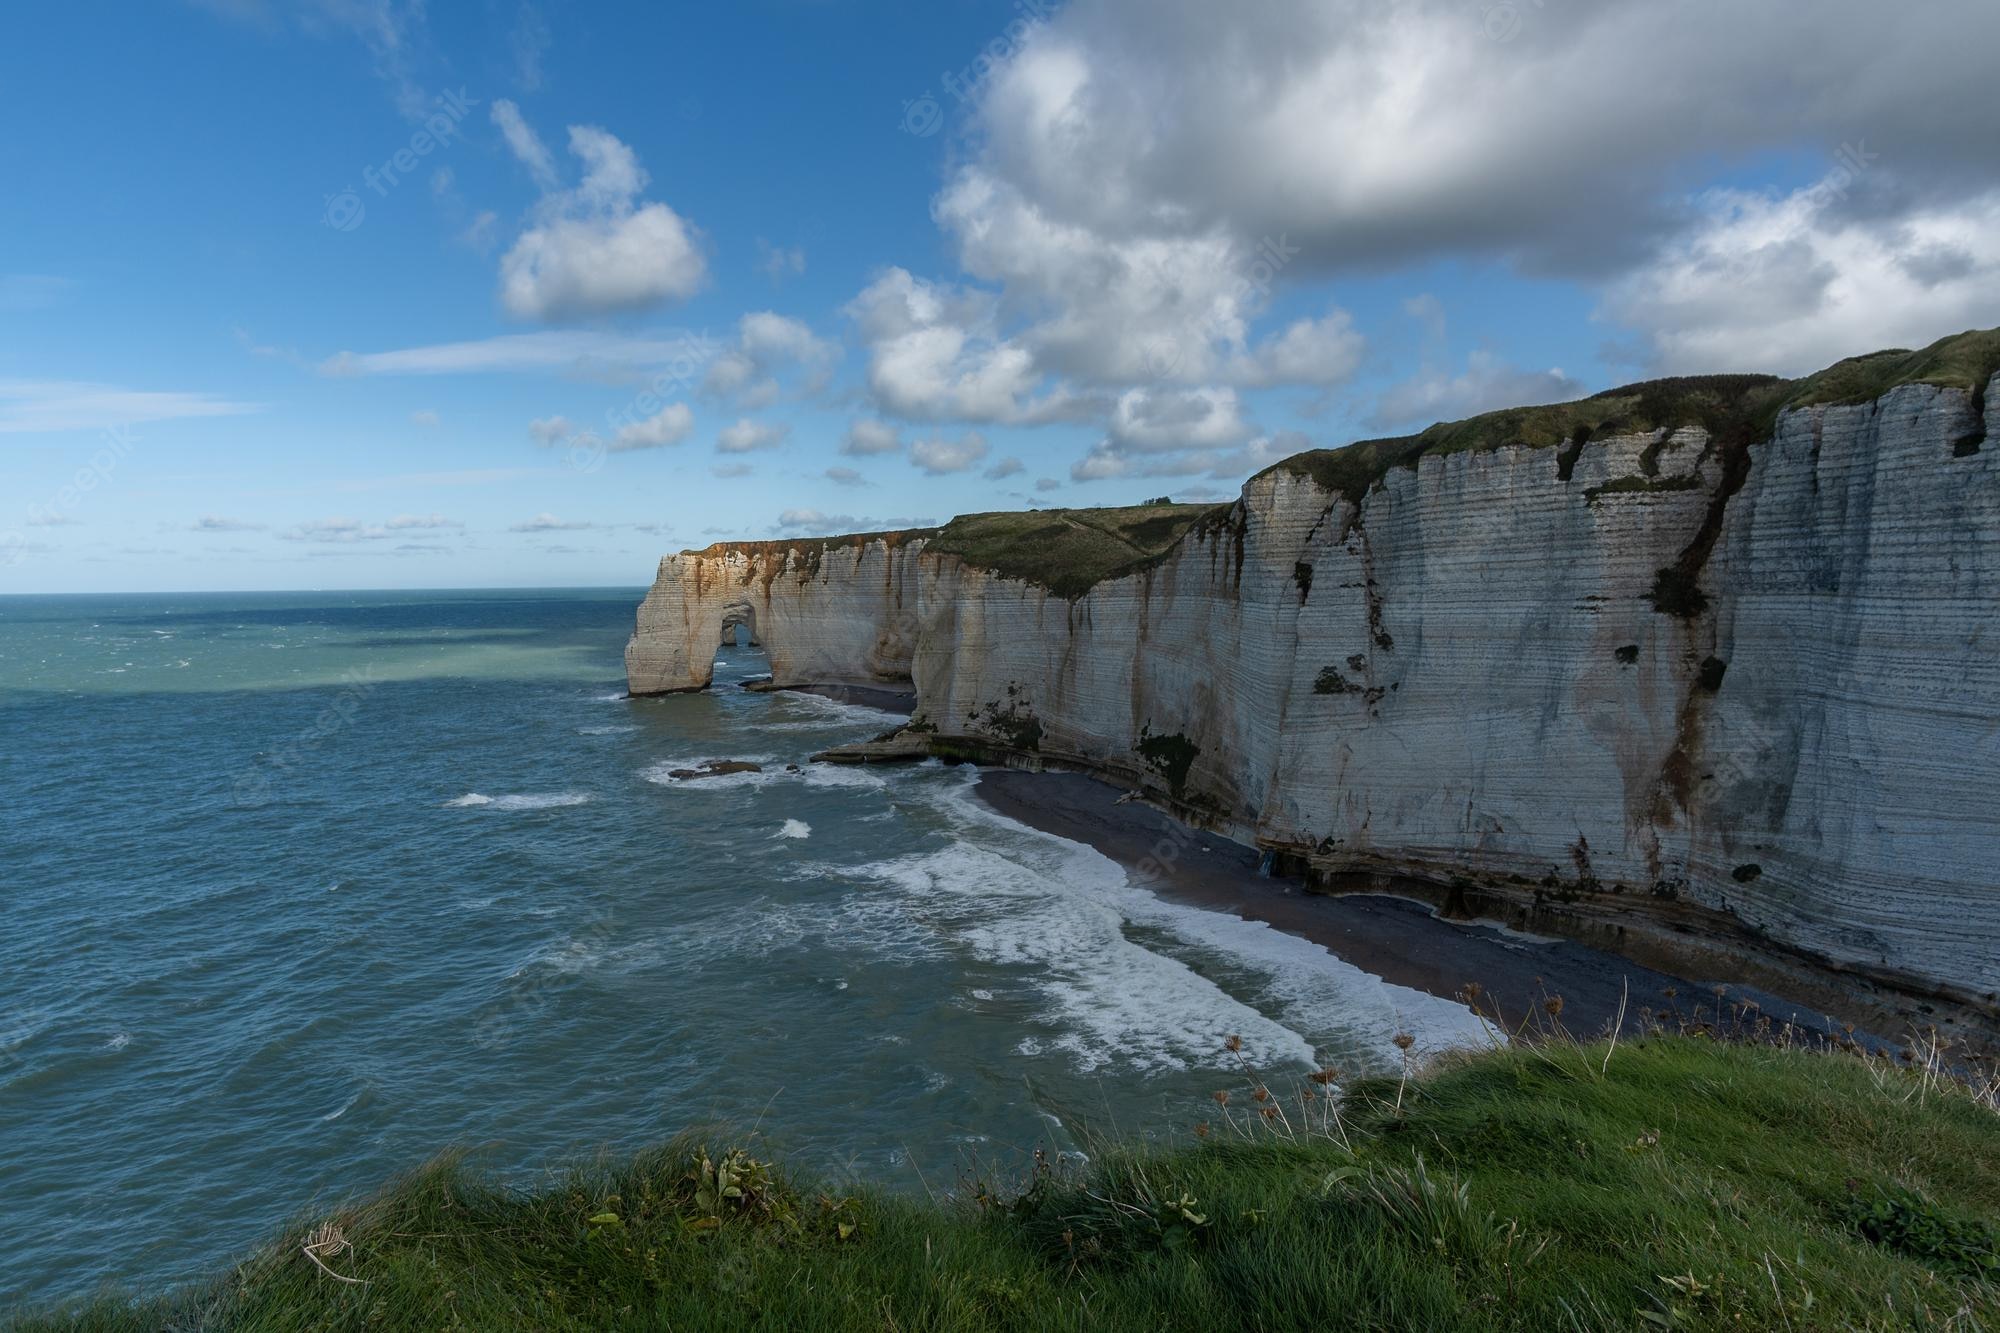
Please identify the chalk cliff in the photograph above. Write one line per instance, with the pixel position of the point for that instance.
(1714, 665)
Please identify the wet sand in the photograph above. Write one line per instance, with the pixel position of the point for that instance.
(1398, 939)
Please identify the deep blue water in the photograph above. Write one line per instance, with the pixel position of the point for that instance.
(300, 889)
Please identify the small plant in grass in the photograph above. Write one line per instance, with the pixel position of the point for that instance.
(1913, 1225)
(737, 1186)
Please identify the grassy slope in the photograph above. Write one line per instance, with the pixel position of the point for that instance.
(1068, 551)
(1694, 1185)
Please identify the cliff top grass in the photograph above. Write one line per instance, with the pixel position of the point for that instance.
(1071, 551)
(1738, 407)
(1068, 551)
(1669, 1182)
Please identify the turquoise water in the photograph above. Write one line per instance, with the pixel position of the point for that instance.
(300, 889)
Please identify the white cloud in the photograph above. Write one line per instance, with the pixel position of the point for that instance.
(769, 345)
(60, 405)
(814, 523)
(551, 430)
(1321, 352)
(845, 476)
(669, 426)
(939, 456)
(867, 436)
(779, 262)
(596, 249)
(746, 436)
(547, 522)
(1047, 484)
(425, 417)
(935, 354)
(421, 523)
(524, 143)
(579, 353)
(478, 233)
(1108, 460)
(1006, 467)
(217, 523)
(1486, 383)
(1790, 284)
(1174, 420)
(346, 531)
(729, 471)
(1142, 175)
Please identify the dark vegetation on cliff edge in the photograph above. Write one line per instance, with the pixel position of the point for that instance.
(1068, 551)
(1732, 408)
(1668, 1181)
(1071, 551)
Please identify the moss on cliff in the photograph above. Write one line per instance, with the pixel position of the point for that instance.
(1068, 551)
(1963, 361)
(1735, 409)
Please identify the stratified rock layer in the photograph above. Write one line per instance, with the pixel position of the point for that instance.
(1467, 679)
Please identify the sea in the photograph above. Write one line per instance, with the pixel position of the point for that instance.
(300, 890)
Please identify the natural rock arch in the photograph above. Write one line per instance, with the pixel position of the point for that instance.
(745, 615)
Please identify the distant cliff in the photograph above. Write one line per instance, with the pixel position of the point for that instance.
(1706, 664)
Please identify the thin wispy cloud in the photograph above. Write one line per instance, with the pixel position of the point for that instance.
(61, 405)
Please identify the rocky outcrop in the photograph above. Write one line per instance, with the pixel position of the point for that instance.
(1743, 693)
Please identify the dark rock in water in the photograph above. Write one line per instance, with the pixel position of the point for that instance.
(791, 768)
(716, 768)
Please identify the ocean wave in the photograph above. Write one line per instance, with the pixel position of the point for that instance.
(525, 801)
(795, 828)
(616, 729)
(1125, 975)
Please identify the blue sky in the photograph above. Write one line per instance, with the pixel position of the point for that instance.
(658, 273)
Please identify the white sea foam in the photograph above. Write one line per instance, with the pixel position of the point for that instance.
(795, 828)
(822, 712)
(525, 801)
(662, 774)
(1128, 976)
(773, 771)
(617, 729)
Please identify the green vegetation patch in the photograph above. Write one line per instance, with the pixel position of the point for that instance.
(1732, 408)
(1963, 361)
(1068, 551)
(1641, 485)
(1169, 756)
(1673, 1182)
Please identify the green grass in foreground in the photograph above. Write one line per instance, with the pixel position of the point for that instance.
(1675, 1182)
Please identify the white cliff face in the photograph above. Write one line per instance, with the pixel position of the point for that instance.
(1466, 680)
